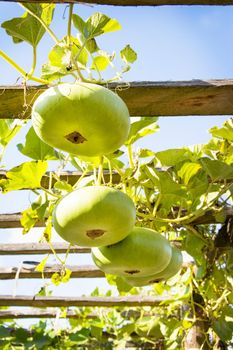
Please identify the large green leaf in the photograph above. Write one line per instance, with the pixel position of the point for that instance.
(28, 28)
(225, 132)
(172, 157)
(35, 148)
(216, 169)
(142, 127)
(98, 24)
(26, 175)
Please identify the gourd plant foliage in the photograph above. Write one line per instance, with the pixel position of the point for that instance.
(183, 193)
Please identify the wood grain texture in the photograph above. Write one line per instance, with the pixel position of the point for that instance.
(70, 177)
(38, 313)
(181, 98)
(137, 2)
(39, 248)
(13, 220)
(28, 271)
(37, 301)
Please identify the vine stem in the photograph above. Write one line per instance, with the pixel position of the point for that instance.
(50, 32)
(130, 156)
(198, 212)
(26, 75)
(32, 70)
(100, 171)
(71, 7)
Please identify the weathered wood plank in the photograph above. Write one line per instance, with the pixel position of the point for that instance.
(39, 248)
(70, 177)
(38, 313)
(181, 98)
(37, 301)
(138, 2)
(13, 220)
(29, 272)
(52, 313)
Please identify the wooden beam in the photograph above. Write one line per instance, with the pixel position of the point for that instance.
(39, 248)
(138, 2)
(38, 301)
(28, 271)
(13, 220)
(53, 313)
(70, 177)
(178, 98)
(40, 313)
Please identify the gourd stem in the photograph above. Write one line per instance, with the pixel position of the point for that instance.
(100, 172)
(130, 156)
(69, 24)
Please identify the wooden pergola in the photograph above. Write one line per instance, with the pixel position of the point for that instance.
(178, 98)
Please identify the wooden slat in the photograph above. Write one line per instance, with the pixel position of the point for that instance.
(178, 98)
(29, 272)
(37, 301)
(13, 220)
(52, 313)
(138, 2)
(38, 313)
(70, 177)
(39, 248)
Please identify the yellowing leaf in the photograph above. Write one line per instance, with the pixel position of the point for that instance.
(25, 176)
(100, 63)
(188, 170)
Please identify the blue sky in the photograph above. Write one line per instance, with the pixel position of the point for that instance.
(173, 43)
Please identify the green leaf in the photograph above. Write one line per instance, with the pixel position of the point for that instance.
(80, 337)
(41, 266)
(171, 193)
(48, 229)
(28, 28)
(28, 219)
(216, 169)
(188, 170)
(128, 55)
(100, 63)
(60, 55)
(27, 175)
(172, 157)
(56, 278)
(96, 332)
(145, 153)
(35, 148)
(60, 59)
(120, 283)
(63, 186)
(91, 46)
(66, 276)
(226, 132)
(194, 246)
(51, 73)
(79, 23)
(223, 328)
(8, 129)
(142, 127)
(98, 24)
